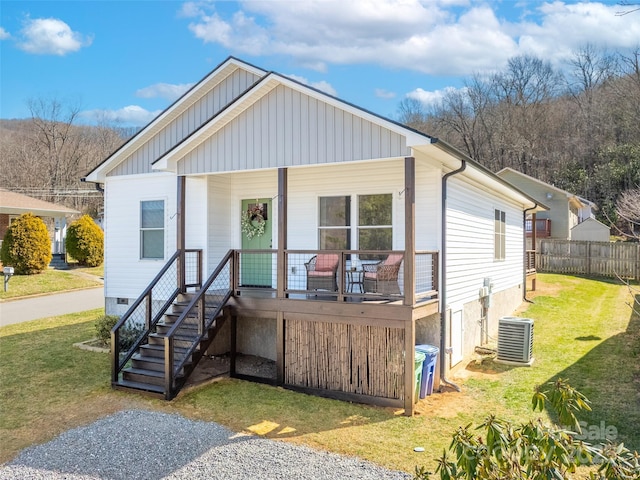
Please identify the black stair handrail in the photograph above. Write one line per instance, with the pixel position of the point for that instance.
(204, 323)
(117, 364)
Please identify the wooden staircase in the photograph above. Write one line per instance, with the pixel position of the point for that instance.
(146, 369)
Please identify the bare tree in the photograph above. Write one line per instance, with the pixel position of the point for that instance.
(632, 7)
(628, 209)
(47, 155)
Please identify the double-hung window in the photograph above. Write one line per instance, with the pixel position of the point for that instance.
(373, 222)
(334, 227)
(499, 235)
(152, 229)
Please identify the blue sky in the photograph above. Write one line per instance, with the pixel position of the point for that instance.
(125, 61)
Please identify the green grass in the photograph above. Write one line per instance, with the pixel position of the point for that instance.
(49, 281)
(583, 332)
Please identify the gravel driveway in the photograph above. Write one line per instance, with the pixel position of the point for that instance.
(140, 444)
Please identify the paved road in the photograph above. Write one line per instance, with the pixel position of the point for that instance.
(17, 311)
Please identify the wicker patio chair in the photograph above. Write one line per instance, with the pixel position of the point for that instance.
(322, 272)
(382, 277)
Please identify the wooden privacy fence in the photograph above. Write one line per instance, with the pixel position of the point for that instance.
(357, 359)
(607, 259)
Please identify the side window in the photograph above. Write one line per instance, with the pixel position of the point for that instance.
(499, 235)
(152, 229)
(334, 226)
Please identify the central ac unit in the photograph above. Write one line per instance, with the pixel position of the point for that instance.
(515, 341)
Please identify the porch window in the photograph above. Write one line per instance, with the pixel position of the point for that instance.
(335, 223)
(499, 235)
(375, 231)
(152, 229)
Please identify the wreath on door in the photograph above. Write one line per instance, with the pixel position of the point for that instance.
(253, 220)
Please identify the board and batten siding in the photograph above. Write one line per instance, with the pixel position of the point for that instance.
(288, 128)
(470, 242)
(186, 123)
(126, 275)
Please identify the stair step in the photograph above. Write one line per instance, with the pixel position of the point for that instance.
(147, 387)
(151, 363)
(181, 343)
(184, 329)
(152, 350)
(142, 375)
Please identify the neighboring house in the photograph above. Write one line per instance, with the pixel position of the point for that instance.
(566, 210)
(12, 205)
(271, 202)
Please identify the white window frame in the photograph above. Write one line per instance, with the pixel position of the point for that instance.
(150, 229)
(499, 235)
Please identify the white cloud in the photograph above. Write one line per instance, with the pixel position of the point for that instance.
(50, 36)
(164, 90)
(565, 27)
(431, 98)
(322, 85)
(4, 34)
(132, 115)
(382, 93)
(451, 37)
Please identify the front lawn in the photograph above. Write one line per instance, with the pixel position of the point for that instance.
(583, 332)
(49, 281)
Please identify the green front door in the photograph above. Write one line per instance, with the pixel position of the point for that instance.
(256, 231)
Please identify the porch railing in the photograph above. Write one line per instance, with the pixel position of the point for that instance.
(530, 261)
(134, 327)
(205, 306)
(336, 274)
(543, 227)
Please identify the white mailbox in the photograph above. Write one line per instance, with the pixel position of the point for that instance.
(8, 272)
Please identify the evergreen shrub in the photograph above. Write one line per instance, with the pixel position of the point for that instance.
(26, 246)
(85, 242)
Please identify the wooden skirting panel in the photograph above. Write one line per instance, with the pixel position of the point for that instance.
(352, 358)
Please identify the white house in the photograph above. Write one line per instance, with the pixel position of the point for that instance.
(305, 230)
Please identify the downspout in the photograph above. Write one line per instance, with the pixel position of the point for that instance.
(443, 276)
(524, 242)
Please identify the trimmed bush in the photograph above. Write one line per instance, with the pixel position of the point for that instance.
(85, 242)
(26, 246)
(104, 324)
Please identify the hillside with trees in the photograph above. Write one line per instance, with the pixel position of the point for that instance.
(577, 128)
(46, 156)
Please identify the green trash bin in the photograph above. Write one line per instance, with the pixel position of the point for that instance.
(419, 360)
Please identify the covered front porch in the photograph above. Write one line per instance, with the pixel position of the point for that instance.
(338, 322)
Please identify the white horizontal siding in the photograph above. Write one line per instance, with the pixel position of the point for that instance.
(470, 242)
(126, 275)
(178, 129)
(305, 186)
(288, 128)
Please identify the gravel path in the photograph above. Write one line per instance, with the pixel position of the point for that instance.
(139, 444)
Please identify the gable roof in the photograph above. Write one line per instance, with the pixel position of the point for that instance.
(412, 140)
(571, 197)
(17, 204)
(189, 98)
(259, 90)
